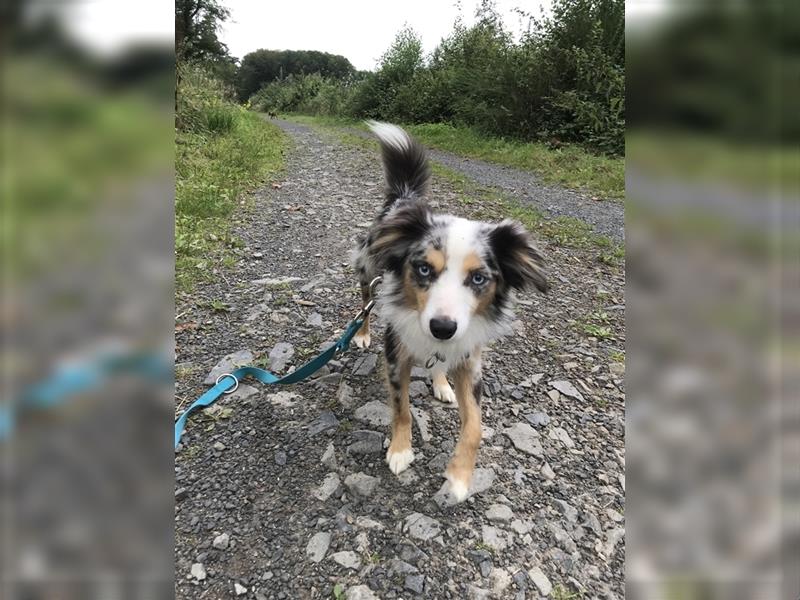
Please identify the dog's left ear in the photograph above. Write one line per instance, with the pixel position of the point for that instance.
(518, 259)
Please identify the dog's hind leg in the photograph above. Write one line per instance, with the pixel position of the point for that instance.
(362, 338)
(398, 373)
(469, 386)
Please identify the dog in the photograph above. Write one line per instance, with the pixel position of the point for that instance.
(272, 114)
(448, 289)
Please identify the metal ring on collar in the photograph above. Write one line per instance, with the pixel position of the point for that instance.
(235, 382)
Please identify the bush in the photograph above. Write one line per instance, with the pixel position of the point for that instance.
(563, 82)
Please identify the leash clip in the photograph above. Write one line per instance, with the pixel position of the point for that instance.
(433, 359)
(371, 304)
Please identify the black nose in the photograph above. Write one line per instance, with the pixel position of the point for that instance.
(443, 328)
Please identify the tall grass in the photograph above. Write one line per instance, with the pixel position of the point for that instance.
(222, 151)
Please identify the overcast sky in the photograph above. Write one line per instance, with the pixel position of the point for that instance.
(360, 30)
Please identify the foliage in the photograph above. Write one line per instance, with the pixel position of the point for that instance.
(221, 151)
(562, 83)
(262, 67)
(196, 25)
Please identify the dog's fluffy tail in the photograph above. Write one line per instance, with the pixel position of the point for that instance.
(405, 162)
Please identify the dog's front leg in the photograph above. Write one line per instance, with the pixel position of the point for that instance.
(469, 386)
(362, 337)
(398, 372)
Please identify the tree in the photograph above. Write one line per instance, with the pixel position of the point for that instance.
(196, 26)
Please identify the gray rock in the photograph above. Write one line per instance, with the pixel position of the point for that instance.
(360, 592)
(476, 593)
(314, 319)
(229, 363)
(329, 485)
(239, 589)
(612, 539)
(561, 435)
(499, 512)
(275, 281)
(547, 472)
(538, 419)
(419, 374)
(520, 579)
(283, 399)
(219, 446)
(494, 538)
(486, 568)
(525, 438)
(566, 388)
(395, 566)
(329, 457)
(569, 511)
(365, 365)
(361, 484)
(422, 419)
(376, 413)
(345, 395)
(346, 558)
(366, 442)
(417, 389)
(280, 355)
(407, 477)
(500, 580)
(198, 571)
(222, 541)
(540, 580)
(521, 527)
(421, 527)
(410, 553)
(415, 583)
(482, 480)
(326, 420)
(243, 392)
(318, 545)
(280, 458)
(367, 523)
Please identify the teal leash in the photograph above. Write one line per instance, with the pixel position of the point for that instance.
(228, 382)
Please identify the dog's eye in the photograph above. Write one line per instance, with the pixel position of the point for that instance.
(478, 279)
(423, 270)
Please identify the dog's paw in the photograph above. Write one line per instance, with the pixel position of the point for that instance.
(444, 393)
(458, 488)
(362, 341)
(399, 461)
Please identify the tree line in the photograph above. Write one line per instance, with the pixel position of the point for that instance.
(562, 81)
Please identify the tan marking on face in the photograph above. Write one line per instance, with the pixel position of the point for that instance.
(472, 262)
(414, 296)
(486, 299)
(435, 259)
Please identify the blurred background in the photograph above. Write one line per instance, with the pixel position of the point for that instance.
(87, 307)
(713, 428)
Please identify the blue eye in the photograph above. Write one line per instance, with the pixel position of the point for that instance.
(423, 270)
(478, 279)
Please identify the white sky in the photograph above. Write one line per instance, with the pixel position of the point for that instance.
(360, 30)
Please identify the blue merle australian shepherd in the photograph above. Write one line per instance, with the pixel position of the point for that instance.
(448, 290)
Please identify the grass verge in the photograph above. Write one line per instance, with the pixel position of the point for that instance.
(568, 166)
(214, 167)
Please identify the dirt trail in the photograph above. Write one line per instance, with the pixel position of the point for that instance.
(607, 217)
(283, 493)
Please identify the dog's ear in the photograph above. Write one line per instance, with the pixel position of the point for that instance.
(518, 259)
(392, 239)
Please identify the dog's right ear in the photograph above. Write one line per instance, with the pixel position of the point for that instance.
(392, 239)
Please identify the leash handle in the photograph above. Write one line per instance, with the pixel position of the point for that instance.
(228, 382)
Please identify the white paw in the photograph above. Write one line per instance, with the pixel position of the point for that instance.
(458, 488)
(444, 393)
(399, 461)
(361, 341)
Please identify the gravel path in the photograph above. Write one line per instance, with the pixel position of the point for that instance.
(607, 217)
(283, 493)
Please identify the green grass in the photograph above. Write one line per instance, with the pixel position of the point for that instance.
(567, 232)
(569, 166)
(214, 168)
